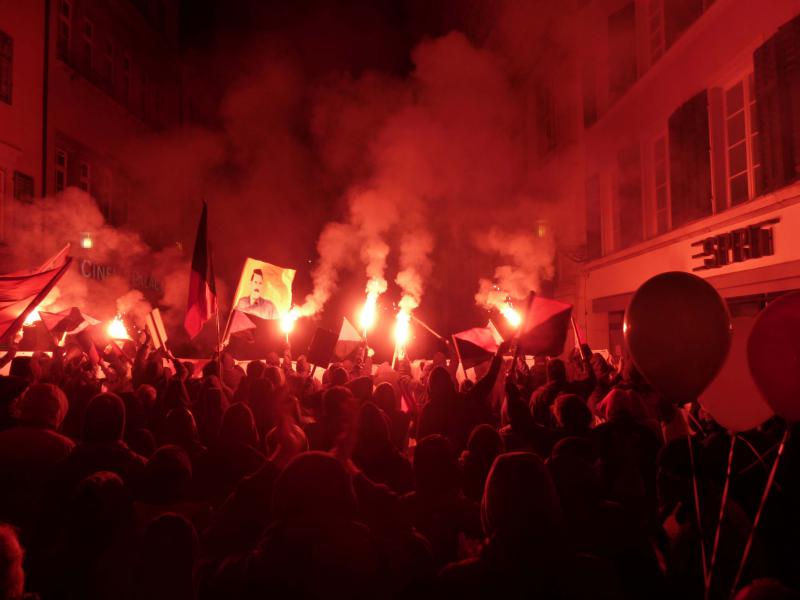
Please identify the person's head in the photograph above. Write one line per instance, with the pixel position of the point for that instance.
(436, 469)
(338, 405)
(12, 575)
(238, 426)
(167, 476)
(361, 388)
(255, 369)
(100, 509)
(43, 405)
(169, 551)
(338, 375)
(314, 485)
(176, 395)
(572, 414)
(256, 283)
(599, 365)
(386, 398)
(440, 384)
(181, 429)
(520, 505)
(372, 432)
(556, 371)
(104, 419)
(485, 442)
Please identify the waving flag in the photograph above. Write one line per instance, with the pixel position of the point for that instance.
(544, 328)
(202, 303)
(477, 345)
(21, 292)
(349, 340)
(71, 321)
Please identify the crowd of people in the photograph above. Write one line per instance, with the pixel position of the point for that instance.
(567, 480)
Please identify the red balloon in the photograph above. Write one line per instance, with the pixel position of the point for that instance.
(773, 354)
(733, 398)
(678, 331)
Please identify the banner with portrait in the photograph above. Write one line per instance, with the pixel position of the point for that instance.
(264, 294)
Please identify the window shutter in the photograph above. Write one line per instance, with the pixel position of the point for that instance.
(629, 194)
(678, 16)
(719, 166)
(776, 70)
(689, 161)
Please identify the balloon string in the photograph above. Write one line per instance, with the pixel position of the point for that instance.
(719, 521)
(759, 457)
(764, 496)
(697, 510)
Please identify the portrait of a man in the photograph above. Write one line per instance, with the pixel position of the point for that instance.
(255, 304)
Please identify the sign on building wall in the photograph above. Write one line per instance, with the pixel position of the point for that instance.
(739, 245)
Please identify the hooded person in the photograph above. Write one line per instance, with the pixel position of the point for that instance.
(386, 398)
(11, 388)
(483, 446)
(167, 560)
(101, 447)
(522, 520)
(12, 575)
(231, 456)
(543, 398)
(376, 455)
(314, 548)
(454, 414)
(30, 450)
(180, 429)
(338, 412)
(437, 508)
(95, 547)
(208, 411)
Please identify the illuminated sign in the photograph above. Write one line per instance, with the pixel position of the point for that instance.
(739, 245)
(99, 272)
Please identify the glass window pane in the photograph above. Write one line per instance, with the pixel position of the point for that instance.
(736, 129)
(734, 99)
(737, 157)
(739, 191)
(753, 117)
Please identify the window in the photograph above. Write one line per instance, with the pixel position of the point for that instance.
(594, 247)
(23, 187)
(108, 64)
(661, 184)
(104, 198)
(64, 29)
(61, 170)
(84, 178)
(622, 50)
(628, 217)
(741, 142)
(656, 29)
(6, 64)
(689, 161)
(87, 46)
(679, 16)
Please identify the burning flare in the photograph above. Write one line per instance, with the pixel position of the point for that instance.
(116, 329)
(511, 314)
(369, 312)
(288, 320)
(402, 332)
(32, 317)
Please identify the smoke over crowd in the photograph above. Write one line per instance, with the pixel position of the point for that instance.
(410, 180)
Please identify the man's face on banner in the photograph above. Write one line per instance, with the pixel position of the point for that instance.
(256, 283)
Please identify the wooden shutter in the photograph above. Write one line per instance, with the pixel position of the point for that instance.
(776, 70)
(678, 16)
(689, 161)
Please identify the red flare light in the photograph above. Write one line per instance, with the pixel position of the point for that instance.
(512, 315)
(116, 330)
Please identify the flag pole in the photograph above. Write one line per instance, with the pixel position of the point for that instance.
(425, 325)
(522, 328)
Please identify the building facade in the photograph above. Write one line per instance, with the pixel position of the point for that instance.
(687, 155)
(78, 80)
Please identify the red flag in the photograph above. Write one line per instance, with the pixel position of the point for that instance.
(544, 329)
(477, 345)
(71, 320)
(22, 292)
(202, 303)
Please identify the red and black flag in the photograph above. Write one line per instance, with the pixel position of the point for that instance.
(202, 303)
(477, 345)
(21, 292)
(544, 328)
